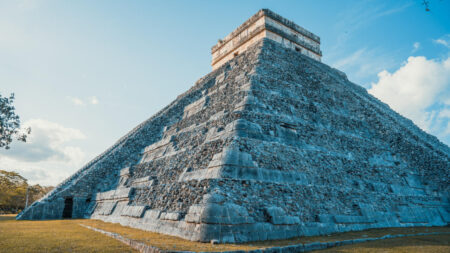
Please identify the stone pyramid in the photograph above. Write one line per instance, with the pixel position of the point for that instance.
(270, 145)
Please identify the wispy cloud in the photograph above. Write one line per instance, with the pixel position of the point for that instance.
(390, 10)
(363, 64)
(361, 14)
(76, 101)
(444, 41)
(93, 100)
(416, 47)
(82, 102)
(351, 59)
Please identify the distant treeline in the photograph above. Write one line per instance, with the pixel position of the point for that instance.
(13, 191)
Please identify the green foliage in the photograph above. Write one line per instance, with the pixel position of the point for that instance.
(10, 123)
(13, 190)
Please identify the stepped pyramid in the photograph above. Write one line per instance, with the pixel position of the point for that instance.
(270, 145)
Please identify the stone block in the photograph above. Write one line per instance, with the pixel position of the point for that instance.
(195, 107)
(232, 157)
(285, 220)
(152, 214)
(105, 208)
(174, 216)
(213, 198)
(212, 213)
(142, 182)
(118, 194)
(200, 174)
(277, 216)
(125, 172)
(326, 218)
(134, 211)
(348, 219)
(407, 191)
(414, 181)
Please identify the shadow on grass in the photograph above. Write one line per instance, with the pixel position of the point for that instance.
(8, 217)
(426, 243)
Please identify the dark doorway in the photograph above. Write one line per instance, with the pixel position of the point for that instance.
(68, 206)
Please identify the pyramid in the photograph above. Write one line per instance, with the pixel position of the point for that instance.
(272, 144)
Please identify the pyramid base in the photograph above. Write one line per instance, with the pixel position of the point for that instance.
(259, 231)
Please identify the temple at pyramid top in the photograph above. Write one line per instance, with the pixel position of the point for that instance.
(266, 24)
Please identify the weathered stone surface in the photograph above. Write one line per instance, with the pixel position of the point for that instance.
(143, 182)
(134, 211)
(105, 208)
(117, 194)
(175, 216)
(282, 146)
(353, 219)
(278, 216)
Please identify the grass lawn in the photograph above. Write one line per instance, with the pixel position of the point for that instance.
(166, 242)
(69, 236)
(53, 236)
(416, 244)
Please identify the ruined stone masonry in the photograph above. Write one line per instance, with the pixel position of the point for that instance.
(272, 144)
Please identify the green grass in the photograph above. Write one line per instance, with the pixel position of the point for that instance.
(69, 236)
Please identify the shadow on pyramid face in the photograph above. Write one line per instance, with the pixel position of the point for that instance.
(270, 145)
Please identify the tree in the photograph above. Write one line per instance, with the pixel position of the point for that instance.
(13, 192)
(10, 123)
(13, 188)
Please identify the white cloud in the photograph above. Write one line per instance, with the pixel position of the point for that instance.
(444, 41)
(416, 46)
(82, 102)
(93, 100)
(48, 156)
(76, 101)
(419, 90)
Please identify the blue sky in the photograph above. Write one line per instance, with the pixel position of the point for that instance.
(86, 72)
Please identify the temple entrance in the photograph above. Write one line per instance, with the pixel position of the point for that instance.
(68, 206)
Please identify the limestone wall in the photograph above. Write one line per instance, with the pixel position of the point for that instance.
(291, 45)
(229, 51)
(257, 27)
